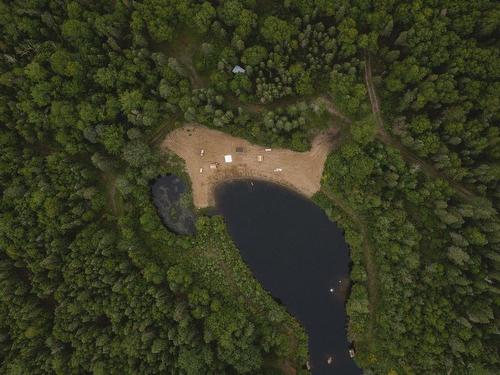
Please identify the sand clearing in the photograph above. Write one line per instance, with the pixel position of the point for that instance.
(300, 171)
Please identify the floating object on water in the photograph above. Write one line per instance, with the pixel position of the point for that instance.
(331, 290)
(308, 365)
(351, 353)
(329, 360)
(228, 158)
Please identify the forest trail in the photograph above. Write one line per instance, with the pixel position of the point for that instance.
(257, 108)
(331, 109)
(369, 261)
(157, 137)
(196, 81)
(300, 171)
(114, 199)
(408, 155)
(183, 50)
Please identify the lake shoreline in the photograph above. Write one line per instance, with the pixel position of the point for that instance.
(204, 150)
(285, 236)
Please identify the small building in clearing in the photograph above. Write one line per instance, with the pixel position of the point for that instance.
(228, 158)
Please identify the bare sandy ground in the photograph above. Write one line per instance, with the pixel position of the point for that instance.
(300, 171)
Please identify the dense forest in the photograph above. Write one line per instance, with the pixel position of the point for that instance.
(92, 282)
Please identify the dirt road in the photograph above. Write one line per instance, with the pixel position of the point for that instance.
(300, 171)
(407, 154)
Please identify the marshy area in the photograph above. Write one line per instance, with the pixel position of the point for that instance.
(173, 204)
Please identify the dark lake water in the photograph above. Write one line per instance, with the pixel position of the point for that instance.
(298, 255)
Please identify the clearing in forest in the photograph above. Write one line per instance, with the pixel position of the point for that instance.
(300, 171)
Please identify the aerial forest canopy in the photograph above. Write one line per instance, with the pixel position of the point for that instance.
(92, 282)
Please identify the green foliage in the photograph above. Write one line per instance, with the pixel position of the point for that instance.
(432, 267)
(162, 16)
(276, 30)
(287, 120)
(203, 16)
(363, 132)
(93, 283)
(347, 92)
(233, 13)
(91, 280)
(254, 55)
(440, 84)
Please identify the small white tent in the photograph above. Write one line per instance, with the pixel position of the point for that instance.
(238, 69)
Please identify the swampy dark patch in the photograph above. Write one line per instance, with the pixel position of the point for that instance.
(173, 204)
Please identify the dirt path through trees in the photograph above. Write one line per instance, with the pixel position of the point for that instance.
(300, 171)
(407, 154)
(331, 109)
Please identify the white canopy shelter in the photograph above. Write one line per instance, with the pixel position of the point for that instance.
(238, 69)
